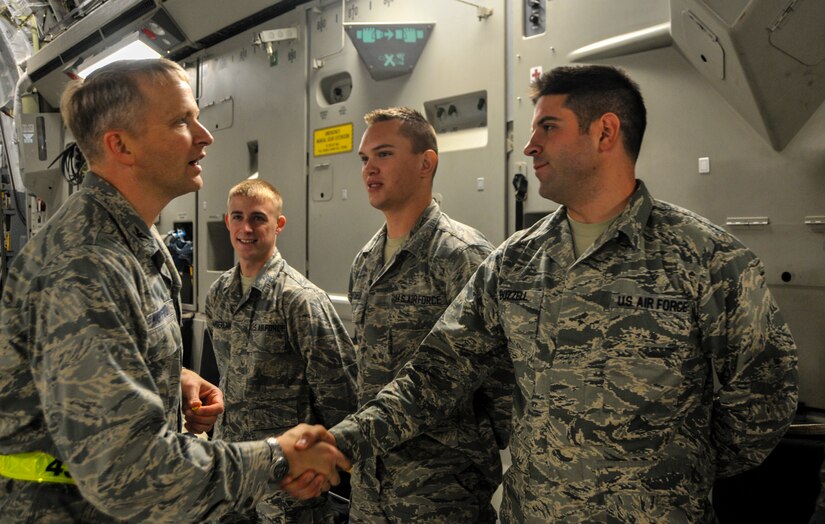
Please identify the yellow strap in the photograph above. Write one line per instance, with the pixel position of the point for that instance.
(34, 466)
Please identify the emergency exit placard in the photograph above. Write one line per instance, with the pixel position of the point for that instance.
(389, 50)
(332, 140)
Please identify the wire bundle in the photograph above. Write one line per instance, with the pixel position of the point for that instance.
(72, 164)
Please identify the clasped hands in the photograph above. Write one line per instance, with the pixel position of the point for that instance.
(314, 461)
(313, 458)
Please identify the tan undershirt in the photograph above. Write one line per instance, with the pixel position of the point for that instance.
(585, 234)
(246, 283)
(391, 245)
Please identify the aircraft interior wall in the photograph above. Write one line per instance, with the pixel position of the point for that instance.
(271, 114)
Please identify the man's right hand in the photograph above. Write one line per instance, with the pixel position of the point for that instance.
(316, 452)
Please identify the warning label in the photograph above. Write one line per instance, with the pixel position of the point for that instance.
(332, 140)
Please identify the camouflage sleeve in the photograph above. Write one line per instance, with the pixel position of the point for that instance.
(348, 356)
(462, 266)
(314, 327)
(106, 415)
(494, 398)
(754, 358)
(452, 361)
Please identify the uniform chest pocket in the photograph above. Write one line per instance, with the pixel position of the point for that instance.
(164, 346)
(519, 312)
(275, 380)
(647, 355)
(163, 337)
(270, 362)
(651, 361)
(411, 318)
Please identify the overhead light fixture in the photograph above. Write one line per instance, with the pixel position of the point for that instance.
(133, 47)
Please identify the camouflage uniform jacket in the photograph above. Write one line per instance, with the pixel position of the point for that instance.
(653, 364)
(90, 373)
(279, 350)
(394, 306)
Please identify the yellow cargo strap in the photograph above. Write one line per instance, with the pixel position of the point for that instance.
(34, 466)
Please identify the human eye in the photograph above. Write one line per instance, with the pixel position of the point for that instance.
(186, 119)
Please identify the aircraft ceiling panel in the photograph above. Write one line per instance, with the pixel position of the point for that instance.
(211, 16)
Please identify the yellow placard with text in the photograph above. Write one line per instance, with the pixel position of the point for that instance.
(332, 140)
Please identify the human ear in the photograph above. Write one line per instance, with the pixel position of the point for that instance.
(115, 145)
(428, 162)
(609, 130)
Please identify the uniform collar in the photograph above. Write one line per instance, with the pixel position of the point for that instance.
(629, 225)
(143, 241)
(139, 237)
(419, 235)
(263, 280)
(421, 232)
(632, 221)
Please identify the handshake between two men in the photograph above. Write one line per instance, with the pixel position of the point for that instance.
(313, 459)
(310, 451)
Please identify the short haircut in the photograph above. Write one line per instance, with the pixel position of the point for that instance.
(111, 98)
(259, 190)
(413, 126)
(593, 91)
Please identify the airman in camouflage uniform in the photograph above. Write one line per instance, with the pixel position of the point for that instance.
(450, 473)
(278, 342)
(649, 365)
(90, 343)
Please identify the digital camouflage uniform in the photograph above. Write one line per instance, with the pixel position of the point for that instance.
(450, 473)
(279, 350)
(90, 373)
(616, 417)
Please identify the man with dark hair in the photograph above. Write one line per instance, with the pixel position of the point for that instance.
(401, 282)
(278, 342)
(592, 92)
(90, 342)
(649, 355)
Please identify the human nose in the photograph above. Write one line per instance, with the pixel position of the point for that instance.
(531, 148)
(203, 136)
(368, 167)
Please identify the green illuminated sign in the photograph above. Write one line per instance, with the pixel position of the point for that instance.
(372, 34)
(389, 50)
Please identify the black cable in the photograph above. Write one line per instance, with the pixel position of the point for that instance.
(72, 164)
(520, 185)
